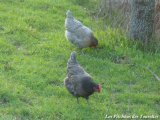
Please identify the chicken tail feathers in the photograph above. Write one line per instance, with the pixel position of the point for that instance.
(73, 57)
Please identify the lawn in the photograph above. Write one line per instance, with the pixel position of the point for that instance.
(33, 60)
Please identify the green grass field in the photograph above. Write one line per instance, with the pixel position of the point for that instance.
(33, 60)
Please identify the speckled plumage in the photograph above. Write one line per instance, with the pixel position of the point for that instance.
(77, 33)
(78, 82)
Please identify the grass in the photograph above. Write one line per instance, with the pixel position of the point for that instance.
(34, 53)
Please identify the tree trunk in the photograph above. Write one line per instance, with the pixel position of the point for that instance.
(142, 20)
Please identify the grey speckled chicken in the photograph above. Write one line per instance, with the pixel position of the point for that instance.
(77, 33)
(78, 82)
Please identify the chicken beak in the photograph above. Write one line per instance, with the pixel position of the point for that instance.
(99, 91)
(99, 88)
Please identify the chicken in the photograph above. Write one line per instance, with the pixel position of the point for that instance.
(78, 82)
(77, 33)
